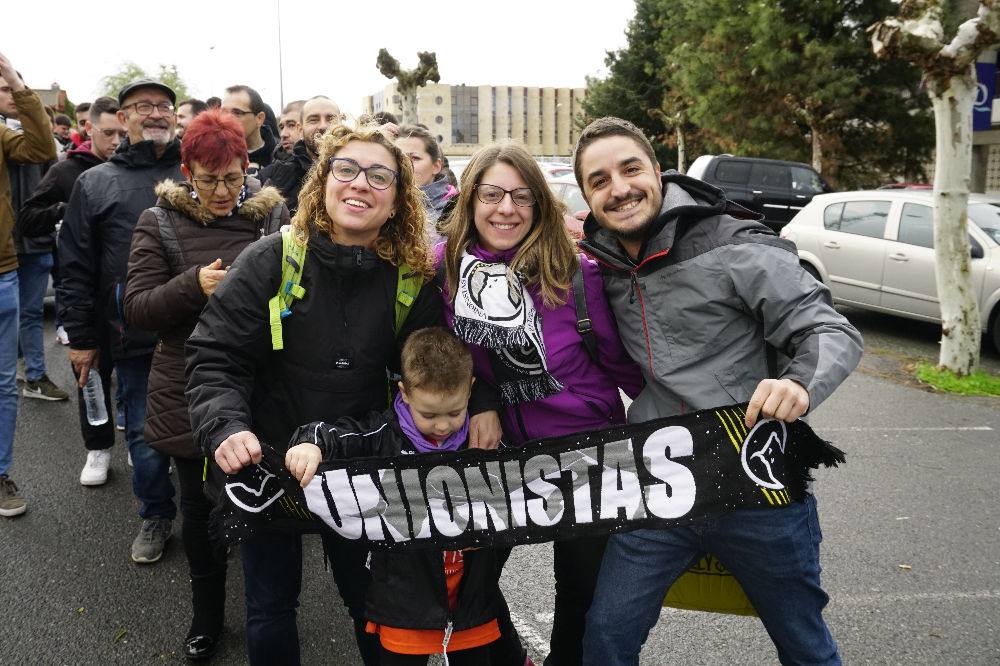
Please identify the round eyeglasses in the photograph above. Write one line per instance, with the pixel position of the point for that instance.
(491, 195)
(346, 170)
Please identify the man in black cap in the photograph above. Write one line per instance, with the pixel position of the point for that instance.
(94, 244)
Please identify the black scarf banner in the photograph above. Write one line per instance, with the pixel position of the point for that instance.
(660, 473)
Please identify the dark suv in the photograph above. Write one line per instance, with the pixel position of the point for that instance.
(774, 188)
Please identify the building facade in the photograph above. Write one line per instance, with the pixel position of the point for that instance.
(464, 118)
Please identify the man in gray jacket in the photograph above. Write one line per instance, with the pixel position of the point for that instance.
(701, 291)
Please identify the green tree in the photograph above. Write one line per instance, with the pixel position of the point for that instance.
(130, 71)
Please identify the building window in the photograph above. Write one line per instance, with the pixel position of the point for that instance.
(439, 119)
(439, 100)
(440, 139)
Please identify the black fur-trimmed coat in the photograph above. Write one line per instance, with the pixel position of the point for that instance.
(163, 294)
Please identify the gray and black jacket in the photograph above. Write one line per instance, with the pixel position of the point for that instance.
(711, 290)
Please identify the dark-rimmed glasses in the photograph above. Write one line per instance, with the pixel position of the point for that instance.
(233, 182)
(146, 108)
(238, 113)
(346, 170)
(491, 195)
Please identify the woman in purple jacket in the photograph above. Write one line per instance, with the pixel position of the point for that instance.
(509, 267)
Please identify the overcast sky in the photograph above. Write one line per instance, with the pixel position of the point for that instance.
(327, 47)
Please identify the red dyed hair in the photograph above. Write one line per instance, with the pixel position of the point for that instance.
(213, 140)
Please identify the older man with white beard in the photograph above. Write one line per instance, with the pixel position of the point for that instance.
(94, 244)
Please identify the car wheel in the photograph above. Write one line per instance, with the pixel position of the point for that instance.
(994, 329)
(809, 268)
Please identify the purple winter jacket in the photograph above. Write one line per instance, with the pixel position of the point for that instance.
(590, 398)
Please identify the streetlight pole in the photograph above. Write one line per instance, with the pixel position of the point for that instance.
(281, 70)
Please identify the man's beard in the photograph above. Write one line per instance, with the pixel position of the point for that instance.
(160, 136)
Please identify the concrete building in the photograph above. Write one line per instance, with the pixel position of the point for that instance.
(464, 118)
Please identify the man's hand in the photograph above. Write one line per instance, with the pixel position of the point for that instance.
(485, 431)
(210, 276)
(302, 460)
(9, 74)
(237, 451)
(782, 399)
(83, 360)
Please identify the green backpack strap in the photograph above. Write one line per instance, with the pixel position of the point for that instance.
(293, 252)
(408, 284)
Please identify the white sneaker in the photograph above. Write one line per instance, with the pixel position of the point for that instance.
(62, 335)
(95, 470)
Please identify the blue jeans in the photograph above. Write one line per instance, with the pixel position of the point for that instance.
(272, 571)
(8, 367)
(774, 554)
(150, 468)
(33, 277)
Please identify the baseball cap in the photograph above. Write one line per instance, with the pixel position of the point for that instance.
(146, 83)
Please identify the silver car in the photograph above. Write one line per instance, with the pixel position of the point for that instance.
(875, 250)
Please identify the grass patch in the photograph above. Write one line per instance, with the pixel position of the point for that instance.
(980, 383)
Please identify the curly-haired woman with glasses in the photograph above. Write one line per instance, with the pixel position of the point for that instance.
(510, 293)
(362, 217)
(180, 249)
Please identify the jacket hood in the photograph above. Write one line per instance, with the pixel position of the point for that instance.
(143, 154)
(438, 192)
(84, 151)
(686, 201)
(256, 208)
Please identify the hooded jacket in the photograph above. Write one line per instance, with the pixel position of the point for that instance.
(94, 243)
(42, 212)
(590, 398)
(408, 590)
(164, 294)
(289, 174)
(439, 199)
(263, 156)
(338, 343)
(711, 289)
(33, 144)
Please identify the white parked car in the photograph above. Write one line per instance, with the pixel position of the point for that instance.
(875, 250)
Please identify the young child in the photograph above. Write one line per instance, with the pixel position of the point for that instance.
(417, 604)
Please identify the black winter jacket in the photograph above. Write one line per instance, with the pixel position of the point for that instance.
(288, 175)
(94, 243)
(25, 177)
(263, 156)
(408, 590)
(41, 213)
(338, 343)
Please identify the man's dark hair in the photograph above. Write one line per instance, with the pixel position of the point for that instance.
(62, 119)
(101, 106)
(294, 107)
(82, 107)
(383, 117)
(256, 103)
(197, 106)
(213, 102)
(605, 127)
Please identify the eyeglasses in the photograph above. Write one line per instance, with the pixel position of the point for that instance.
(346, 170)
(491, 194)
(146, 108)
(233, 182)
(110, 133)
(239, 113)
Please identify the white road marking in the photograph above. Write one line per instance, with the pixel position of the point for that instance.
(538, 645)
(913, 429)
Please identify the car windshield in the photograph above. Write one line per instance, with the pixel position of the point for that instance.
(987, 217)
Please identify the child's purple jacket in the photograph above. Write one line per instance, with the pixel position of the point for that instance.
(590, 398)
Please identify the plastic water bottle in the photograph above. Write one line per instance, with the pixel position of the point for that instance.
(93, 399)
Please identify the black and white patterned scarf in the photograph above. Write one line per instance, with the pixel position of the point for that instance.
(494, 310)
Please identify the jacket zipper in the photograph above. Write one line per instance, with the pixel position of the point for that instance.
(637, 289)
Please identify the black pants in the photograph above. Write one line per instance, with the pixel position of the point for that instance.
(205, 556)
(96, 438)
(479, 656)
(576, 563)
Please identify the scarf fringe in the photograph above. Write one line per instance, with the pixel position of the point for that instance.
(808, 454)
(530, 389)
(487, 335)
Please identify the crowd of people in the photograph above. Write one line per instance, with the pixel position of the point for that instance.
(179, 223)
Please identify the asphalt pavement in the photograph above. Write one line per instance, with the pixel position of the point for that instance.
(911, 549)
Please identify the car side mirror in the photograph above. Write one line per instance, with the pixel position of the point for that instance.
(976, 252)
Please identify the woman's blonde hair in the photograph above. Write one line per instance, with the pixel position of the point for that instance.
(546, 257)
(403, 237)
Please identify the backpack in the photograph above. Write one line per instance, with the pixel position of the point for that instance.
(293, 251)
